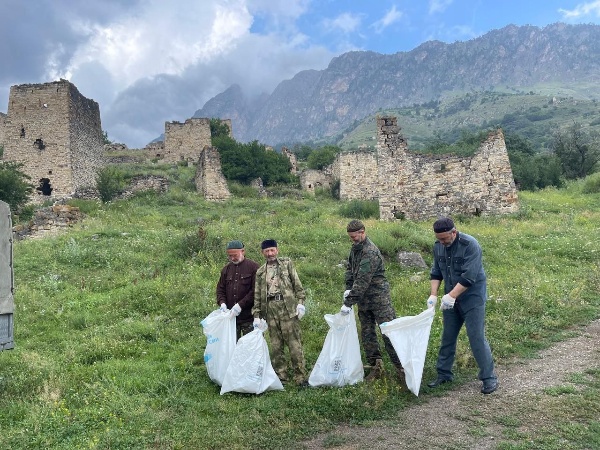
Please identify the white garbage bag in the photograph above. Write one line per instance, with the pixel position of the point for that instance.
(410, 337)
(339, 363)
(219, 329)
(250, 370)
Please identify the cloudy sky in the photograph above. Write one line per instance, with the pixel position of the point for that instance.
(150, 61)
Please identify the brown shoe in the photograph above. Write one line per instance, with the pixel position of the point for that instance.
(377, 371)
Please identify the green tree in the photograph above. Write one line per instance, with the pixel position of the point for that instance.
(105, 138)
(246, 162)
(15, 187)
(218, 128)
(530, 169)
(577, 151)
(322, 157)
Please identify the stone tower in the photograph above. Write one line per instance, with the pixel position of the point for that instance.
(209, 178)
(57, 134)
(185, 141)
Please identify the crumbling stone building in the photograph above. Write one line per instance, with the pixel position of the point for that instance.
(185, 141)
(209, 178)
(57, 134)
(418, 187)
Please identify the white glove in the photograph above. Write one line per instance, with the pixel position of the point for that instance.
(346, 292)
(256, 322)
(300, 310)
(345, 310)
(431, 301)
(236, 310)
(447, 302)
(223, 307)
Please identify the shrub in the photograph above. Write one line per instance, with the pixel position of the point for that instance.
(360, 209)
(110, 182)
(14, 185)
(591, 184)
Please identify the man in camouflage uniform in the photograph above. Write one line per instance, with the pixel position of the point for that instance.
(279, 298)
(367, 286)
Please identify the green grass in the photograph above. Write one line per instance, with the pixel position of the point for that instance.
(109, 350)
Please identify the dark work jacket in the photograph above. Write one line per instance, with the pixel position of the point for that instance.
(461, 263)
(365, 275)
(236, 285)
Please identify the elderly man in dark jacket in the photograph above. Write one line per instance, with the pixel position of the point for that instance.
(367, 287)
(457, 260)
(235, 288)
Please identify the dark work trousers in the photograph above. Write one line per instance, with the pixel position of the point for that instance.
(474, 321)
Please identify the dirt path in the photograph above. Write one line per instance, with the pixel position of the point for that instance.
(447, 422)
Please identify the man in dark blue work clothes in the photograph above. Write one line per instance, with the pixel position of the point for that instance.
(457, 259)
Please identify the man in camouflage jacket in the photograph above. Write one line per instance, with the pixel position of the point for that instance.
(367, 287)
(279, 298)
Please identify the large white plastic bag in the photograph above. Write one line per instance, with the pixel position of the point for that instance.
(219, 328)
(339, 363)
(410, 337)
(250, 370)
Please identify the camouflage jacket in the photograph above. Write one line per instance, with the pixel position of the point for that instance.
(365, 274)
(289, 286)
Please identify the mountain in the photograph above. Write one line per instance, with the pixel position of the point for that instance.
(314, 105)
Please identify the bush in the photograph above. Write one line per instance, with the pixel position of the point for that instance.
(239, 190)
(360, 209)
(15, 188)
(110, 182)
(591, 184)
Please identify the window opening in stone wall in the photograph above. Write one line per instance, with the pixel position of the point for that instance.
(45, 188)
(39, 144)
(22, 131)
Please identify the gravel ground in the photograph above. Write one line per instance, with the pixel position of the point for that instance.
(448, 421)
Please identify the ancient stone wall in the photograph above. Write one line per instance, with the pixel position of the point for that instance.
(311, 179)
(209, 178)
(291, 156)
(422, 186)
(358, 175)
(56, 133)
(2, 125)
(185, 141)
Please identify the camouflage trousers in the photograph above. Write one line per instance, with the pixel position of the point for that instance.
(243, 329)
(371, 314)
(283, 331)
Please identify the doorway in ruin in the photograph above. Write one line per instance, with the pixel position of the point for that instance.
(45, 188)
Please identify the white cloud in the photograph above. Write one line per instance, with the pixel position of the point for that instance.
(161, 39)
(582, 10)
(345, 22)
(391, 17)
(438, 6)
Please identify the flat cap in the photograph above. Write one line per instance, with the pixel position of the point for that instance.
(235, 245)
(268, 243)
(442, 225)
(355, 225)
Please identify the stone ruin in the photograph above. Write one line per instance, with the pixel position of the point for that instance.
(415, 186)
(209, 178)
(185, 141)
(56, 133)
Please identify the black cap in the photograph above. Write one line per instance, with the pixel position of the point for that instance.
(443, 225)
(268, 243)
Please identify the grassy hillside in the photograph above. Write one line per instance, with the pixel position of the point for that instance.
(534, 114)
(109, 349)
